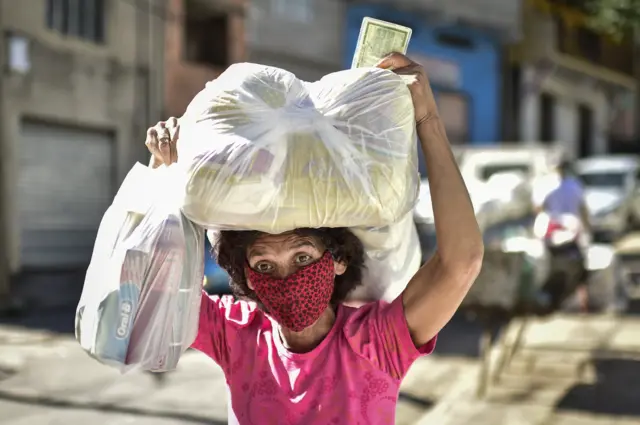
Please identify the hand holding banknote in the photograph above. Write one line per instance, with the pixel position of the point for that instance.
(161, 141)
(424, 102)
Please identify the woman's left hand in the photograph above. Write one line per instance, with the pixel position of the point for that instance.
(424, 102)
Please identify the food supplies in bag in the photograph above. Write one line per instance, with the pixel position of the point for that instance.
(266, 151)
(141, 297)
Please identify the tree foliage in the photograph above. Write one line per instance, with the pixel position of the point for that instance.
(615, 17)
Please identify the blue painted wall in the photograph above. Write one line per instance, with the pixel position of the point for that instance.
(479, 67)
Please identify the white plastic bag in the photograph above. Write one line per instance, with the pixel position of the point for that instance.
(141, 297)
(266, 151)
(392, 257)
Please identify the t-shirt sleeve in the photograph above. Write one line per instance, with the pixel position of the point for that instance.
(379, 332)
(220, 318)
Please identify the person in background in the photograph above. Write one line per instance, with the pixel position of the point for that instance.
(568, 198)
(291, 352)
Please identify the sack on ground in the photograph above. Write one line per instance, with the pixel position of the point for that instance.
(607, 290)
(266, 151)
(141, 296)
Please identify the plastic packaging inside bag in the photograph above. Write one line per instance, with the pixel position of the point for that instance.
(141, 297)
(266, 151)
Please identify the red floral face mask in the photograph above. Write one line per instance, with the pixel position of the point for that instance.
(297, 301)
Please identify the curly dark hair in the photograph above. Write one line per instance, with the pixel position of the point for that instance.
(231, 247)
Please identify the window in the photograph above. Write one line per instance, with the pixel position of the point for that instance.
(585, 130)
(455, 41)
(589, 44)
(454, 110)
(604, 180)
(489, 170)
(294, 10)
(206, 36)
(77, 18)
(547, 117)
(515, 93)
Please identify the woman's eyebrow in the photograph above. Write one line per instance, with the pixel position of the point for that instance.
(301, 243)
(253, 252)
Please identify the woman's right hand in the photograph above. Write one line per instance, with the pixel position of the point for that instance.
(162, 140)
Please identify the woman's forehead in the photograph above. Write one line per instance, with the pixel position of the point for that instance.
(282, 242)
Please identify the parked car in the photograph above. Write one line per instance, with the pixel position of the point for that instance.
(216, 280)
(612, 193)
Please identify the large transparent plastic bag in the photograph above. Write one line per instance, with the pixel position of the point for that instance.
(141, 298)
(266, 151)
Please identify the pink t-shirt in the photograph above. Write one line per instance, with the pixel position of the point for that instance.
(353, 377)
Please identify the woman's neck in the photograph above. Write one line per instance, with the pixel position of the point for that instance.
(311, 337)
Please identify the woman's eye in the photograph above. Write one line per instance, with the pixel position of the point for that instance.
(303, 258)
(263, 267)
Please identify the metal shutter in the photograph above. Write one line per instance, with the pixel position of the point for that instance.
(65, 185)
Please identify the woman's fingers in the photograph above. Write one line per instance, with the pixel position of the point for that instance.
(174, 132)
(152, 140)
(394, 61)
(158, 144)
(172, 123)
(152, 145)
(162, 142)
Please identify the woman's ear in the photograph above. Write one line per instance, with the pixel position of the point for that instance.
(340, 267)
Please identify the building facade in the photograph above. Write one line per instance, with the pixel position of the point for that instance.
(81, 82)
(460, 45)
(203, 38)
(569, 84)
(301, 36)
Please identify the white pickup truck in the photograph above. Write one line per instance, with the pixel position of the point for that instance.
(504, 181)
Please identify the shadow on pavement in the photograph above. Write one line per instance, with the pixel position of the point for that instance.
(634, 308)
(461, 336)
(107, 408)
(416, 401)
(615, 393)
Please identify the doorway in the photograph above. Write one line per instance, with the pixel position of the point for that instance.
(547, 118)
(585, 130)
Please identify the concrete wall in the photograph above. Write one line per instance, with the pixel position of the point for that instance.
(307, 44)
(183, 79)
(569, 93)
(112, 87)
(570, 80)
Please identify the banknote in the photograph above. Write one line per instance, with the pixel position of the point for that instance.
(377, 39)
